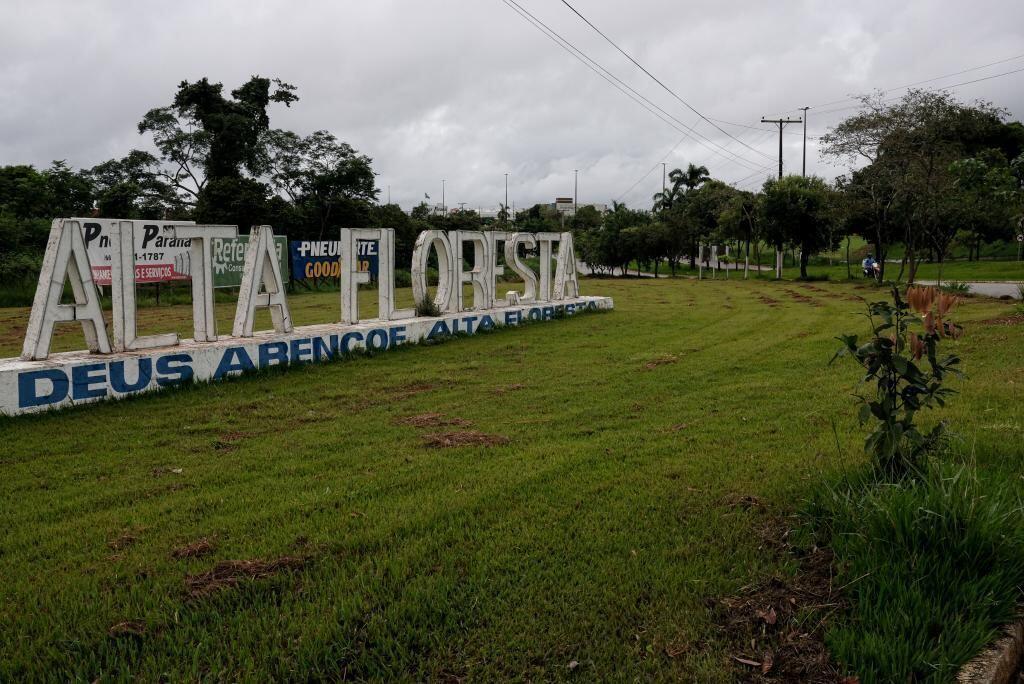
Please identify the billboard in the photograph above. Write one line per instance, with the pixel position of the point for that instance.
(320, 258)
(229, 259)
(159, 256)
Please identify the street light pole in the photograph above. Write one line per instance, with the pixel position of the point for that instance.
(444, 209)
(805, 139)
(575, 190)
(506, 197)
(664, 188)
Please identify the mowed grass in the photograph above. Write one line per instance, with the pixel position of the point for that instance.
(587, 547)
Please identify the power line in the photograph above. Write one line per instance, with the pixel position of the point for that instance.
(949, 87)
(643, 177)
(739, 125)
(633, 94)
(916, 83)
(656, 80)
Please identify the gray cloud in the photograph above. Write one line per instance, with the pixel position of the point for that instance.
(466, 90)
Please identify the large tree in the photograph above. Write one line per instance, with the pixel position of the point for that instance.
(325, 178)
(205, 138)
(797, 211)
(910, 147)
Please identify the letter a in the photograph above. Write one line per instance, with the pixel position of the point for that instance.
(565, 269)
(65, 258)
(261, 269)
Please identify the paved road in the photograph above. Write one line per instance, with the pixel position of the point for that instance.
(989, 289)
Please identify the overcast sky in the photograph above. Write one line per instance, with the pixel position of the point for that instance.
(467, 90)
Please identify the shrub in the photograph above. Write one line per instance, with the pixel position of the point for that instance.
(902, 388)
(403, 278)
(427, 307)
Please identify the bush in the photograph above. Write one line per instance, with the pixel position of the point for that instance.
(933, 566)
(403, 278)
(427, 307)
(896, 444)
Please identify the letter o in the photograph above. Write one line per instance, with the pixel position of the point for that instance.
(373, 335)
(446, 272)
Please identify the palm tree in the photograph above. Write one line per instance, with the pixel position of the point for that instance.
(693, 177)
(665, 200)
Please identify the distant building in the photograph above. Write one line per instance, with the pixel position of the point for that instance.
(565, 205)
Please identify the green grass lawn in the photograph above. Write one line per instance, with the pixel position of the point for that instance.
(597, 535)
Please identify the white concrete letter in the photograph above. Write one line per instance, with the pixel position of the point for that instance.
(385, 237)
(65, 257)
(204, 323)
(261, 269)
(545, 240)
(478, 276)
(446, 273)
(522, 269)
(122, 292)
(351, 276)
(565, 270)
(493, 238)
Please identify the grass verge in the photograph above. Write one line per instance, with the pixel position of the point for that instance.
(932, 565)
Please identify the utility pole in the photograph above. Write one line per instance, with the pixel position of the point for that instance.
(575, 190)
(506, 192)
(664, 188)
(444, 209)
(781, 123)
(804, 173)
(389, 194)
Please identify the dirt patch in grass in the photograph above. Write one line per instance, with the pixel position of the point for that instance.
(127, 628)
(515, 387)
(196, 549)
(1012, 319)
(802, 298)
(231, 573)
(775, 627)
(445, 440)
(395, 393)
(123, 540)
(425, 420)
(814, 288)
(228, 441)
(661, 361)
(744, 501)
(768, 301)
(402, 391)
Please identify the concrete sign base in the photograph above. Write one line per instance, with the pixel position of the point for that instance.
(71, 378)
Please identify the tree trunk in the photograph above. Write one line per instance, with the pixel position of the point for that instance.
(848, 276)
(804, 257)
